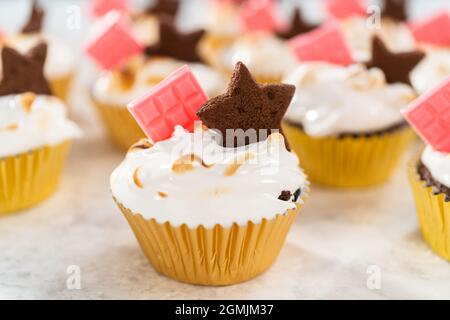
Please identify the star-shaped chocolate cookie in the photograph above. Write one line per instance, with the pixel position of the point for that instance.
(297, 26)
(164, 7)
(396, 66)
(34, 23)
(173, 43)
(247, 105)
(395, 9)
(24, 73)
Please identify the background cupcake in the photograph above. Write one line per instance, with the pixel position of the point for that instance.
(345, 123)
(35, 133)
(114, 89)
(230, 226)
(59, 65)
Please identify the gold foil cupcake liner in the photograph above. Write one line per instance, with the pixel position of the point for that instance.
(120, 125)
(29, 178)
(349, 161)
(211, 256)
(433, 212)
(61, 86)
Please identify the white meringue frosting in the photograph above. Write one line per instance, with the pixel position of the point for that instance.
(438, 163)
(332, 100)
(116, 89)
(432, 70)
(29, 122)
(191, 179)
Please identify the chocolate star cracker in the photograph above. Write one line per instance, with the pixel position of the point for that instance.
(173, 43)
(34, 23)
(164, 7)
(396, 66)
(395, 9)
(297, 26)
(24, 73)
(247, 105)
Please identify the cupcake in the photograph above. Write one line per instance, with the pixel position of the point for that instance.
(345, 125)
(35, 133)
(429, 171)
(392, 29)
(245, 190)
(59, 66)
(432, 70)
(114, 89)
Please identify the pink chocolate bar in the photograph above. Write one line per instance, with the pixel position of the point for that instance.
(434, 30)
(173, 102)
(259, 15)
(345, 8)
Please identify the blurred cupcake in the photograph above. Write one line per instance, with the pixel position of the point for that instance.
(432, 70)
(59, 66)
(114, 89)
(392, 29)
(35, 133)
(429, 171)
(258, 51)
(243, 194)
(345, 125)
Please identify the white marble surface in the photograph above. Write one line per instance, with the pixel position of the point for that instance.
(337, 237)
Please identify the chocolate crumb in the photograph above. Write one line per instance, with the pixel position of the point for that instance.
(285, 195)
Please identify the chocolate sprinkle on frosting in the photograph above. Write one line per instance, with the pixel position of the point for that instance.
(396, 66)
(395, 10)
(247, 105)
(164, 7)
(297, 26)
(24, 73)
(438, 188)
(35, 20)
(286, 195)
(173, 43)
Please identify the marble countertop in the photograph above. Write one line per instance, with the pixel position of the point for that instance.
(362, 244)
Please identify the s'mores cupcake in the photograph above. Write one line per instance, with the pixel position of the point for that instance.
(60, 64)
(112, 90)
(245, 186)
(35, 133)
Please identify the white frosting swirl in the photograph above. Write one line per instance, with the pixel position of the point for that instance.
(148, 73)
(148, 182)
(432, 70)
(331, 100)
(222, 20)
(29, 122)
(396, 36)
(438, 163)
(263, 54)
(60, 60)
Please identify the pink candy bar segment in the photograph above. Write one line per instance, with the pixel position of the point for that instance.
(345, 8)
(434, 30)
(326, 43)
(99, 8)
(430, 116)
(173, 102)
(113, 43)
(259, 15)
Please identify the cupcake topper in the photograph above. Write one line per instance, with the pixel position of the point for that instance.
(164, 7)
(396, 66)
(434, 30)
(247, 105)
(34, 23)
(24, 73)
(395, 10)
(172, 102)
(297, 26)
(430, 116)
(113, 43)
(99, 8)
(326, 43)
(173, 43)
(345, 8)
(259, 15)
